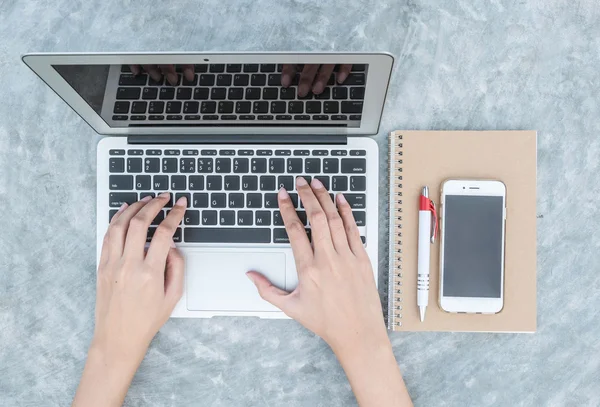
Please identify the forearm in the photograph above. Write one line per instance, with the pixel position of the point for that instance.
(105, 380)
(373, 373)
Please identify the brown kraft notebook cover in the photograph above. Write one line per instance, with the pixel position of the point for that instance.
(428, 158)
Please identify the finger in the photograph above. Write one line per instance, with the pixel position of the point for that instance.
(352, 233)
(322, 78)
(287, 74)
(104, 252)
(321, 236)
(119, 228)
(343, 72)
(174, 274)
(336, 226)
(306, 78)
(169, 71)
(163, 236)
(268, 291)
(139, 224)
(188, 71)
(135, 69)
(153, 72)
(301, 248)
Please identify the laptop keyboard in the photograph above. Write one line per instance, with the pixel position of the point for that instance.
(232, 193)
(236, 92)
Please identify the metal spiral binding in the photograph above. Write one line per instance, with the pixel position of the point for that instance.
(395, 289)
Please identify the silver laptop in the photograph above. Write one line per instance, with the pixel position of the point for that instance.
(227, 130)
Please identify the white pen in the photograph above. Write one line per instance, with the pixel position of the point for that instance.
(427, 233)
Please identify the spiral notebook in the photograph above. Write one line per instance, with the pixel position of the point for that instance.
(419, 158)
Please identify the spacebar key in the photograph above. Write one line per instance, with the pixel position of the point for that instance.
(227, 235)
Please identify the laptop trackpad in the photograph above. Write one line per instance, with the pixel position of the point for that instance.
(217, 281)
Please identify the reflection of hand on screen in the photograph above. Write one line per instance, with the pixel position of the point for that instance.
(313, 77)
(156, 72)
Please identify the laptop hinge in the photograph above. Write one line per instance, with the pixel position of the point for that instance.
(237, 139)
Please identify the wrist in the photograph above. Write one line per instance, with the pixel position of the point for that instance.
(118, 360)
(361, 346)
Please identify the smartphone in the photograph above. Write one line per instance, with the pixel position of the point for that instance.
(473, 219)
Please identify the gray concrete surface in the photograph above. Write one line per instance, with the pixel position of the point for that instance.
(460, 65)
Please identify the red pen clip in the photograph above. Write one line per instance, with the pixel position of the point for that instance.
(427, 204)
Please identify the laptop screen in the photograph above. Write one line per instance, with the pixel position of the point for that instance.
(206, 94)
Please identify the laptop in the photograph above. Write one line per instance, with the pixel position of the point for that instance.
(227, 130)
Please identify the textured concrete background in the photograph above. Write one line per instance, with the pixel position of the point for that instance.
(460, 65)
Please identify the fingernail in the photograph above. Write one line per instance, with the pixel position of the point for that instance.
(341, 198)
(172, 78)
(283, 194)
(285, 81)
(165, 195)
(318, 88)
(181, 201)
(172, 244)
(301, 182)
(316, 184)
(342, 77)
(303, 90)
(146, 198)
(156, 76)
(250, 277)
(122, 208)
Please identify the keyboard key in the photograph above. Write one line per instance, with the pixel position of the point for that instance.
(268, 67)
(313, 107)
(280, 236)
(340, 92)
(160, 182)
(294, 165)
(156, 117)
(149, 93)
(207, 80)
(357, 93)
(301, 117)
(172, 151)
(152, 82)
(331, 165)
(250, 67)
(134, 165)
(128, 93)
(360, 217)
(191, 217)
(227, 218)
(358, 183)
(326, 94)
(356, 201)
(352, 107)
(320, 117)
(339, 152)
(160, 216)
(223, 165)
(178, 182)
(240, 165)
(145, 194)
(169, 165)
(302, 152)
(264, 152)
(259, 165)
(200, 200)
(245, 218)
(121, 107)
(208, 218)
(254, 200)
(271, 200)
(294, 199)
(116, 165)
(156, 107)
(249, 183)
(205, 165)
(217, 199)
(231, 183)
(295, 107)
(185, 195)
(193, 82)
(225, 107)
(137, 117)
(260, 107)
(235, 93)
(139, 107)
(267, 183)
(196, 182)
(258, 79)
(190, 152)
(355, 79)
(218, 93)
(247, 117)
(216, 68)
(224, 79)
(120, 117)
(312, 165)
(277, 219)
(143, 182)
(116, 199)
(320, 152)
(358, 153)
(245, 152)
(120, 182)
(285, 181)
(214, 182)
(201, 93)
(253, 93)
(354, 165)
(270, 94)
(153, 152)
(227, 235)
(278, 107)
(132, 80)
(210, 117)
(331, 107)
(166, 93)
(339, 117)
(274, 79)
(324, 180)
(208, 107)
(288, 93)
(151, 165)
(116, 152)
(339, 183)
(191, 107)
(173, 107)
(302, 216)
(262, 218)
(184, 93)
(200, 68)
(243, 107)
(276, 165)
(241, 79)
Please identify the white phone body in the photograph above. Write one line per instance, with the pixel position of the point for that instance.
(473, 219)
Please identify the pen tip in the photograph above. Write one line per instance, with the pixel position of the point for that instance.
(422, 312)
